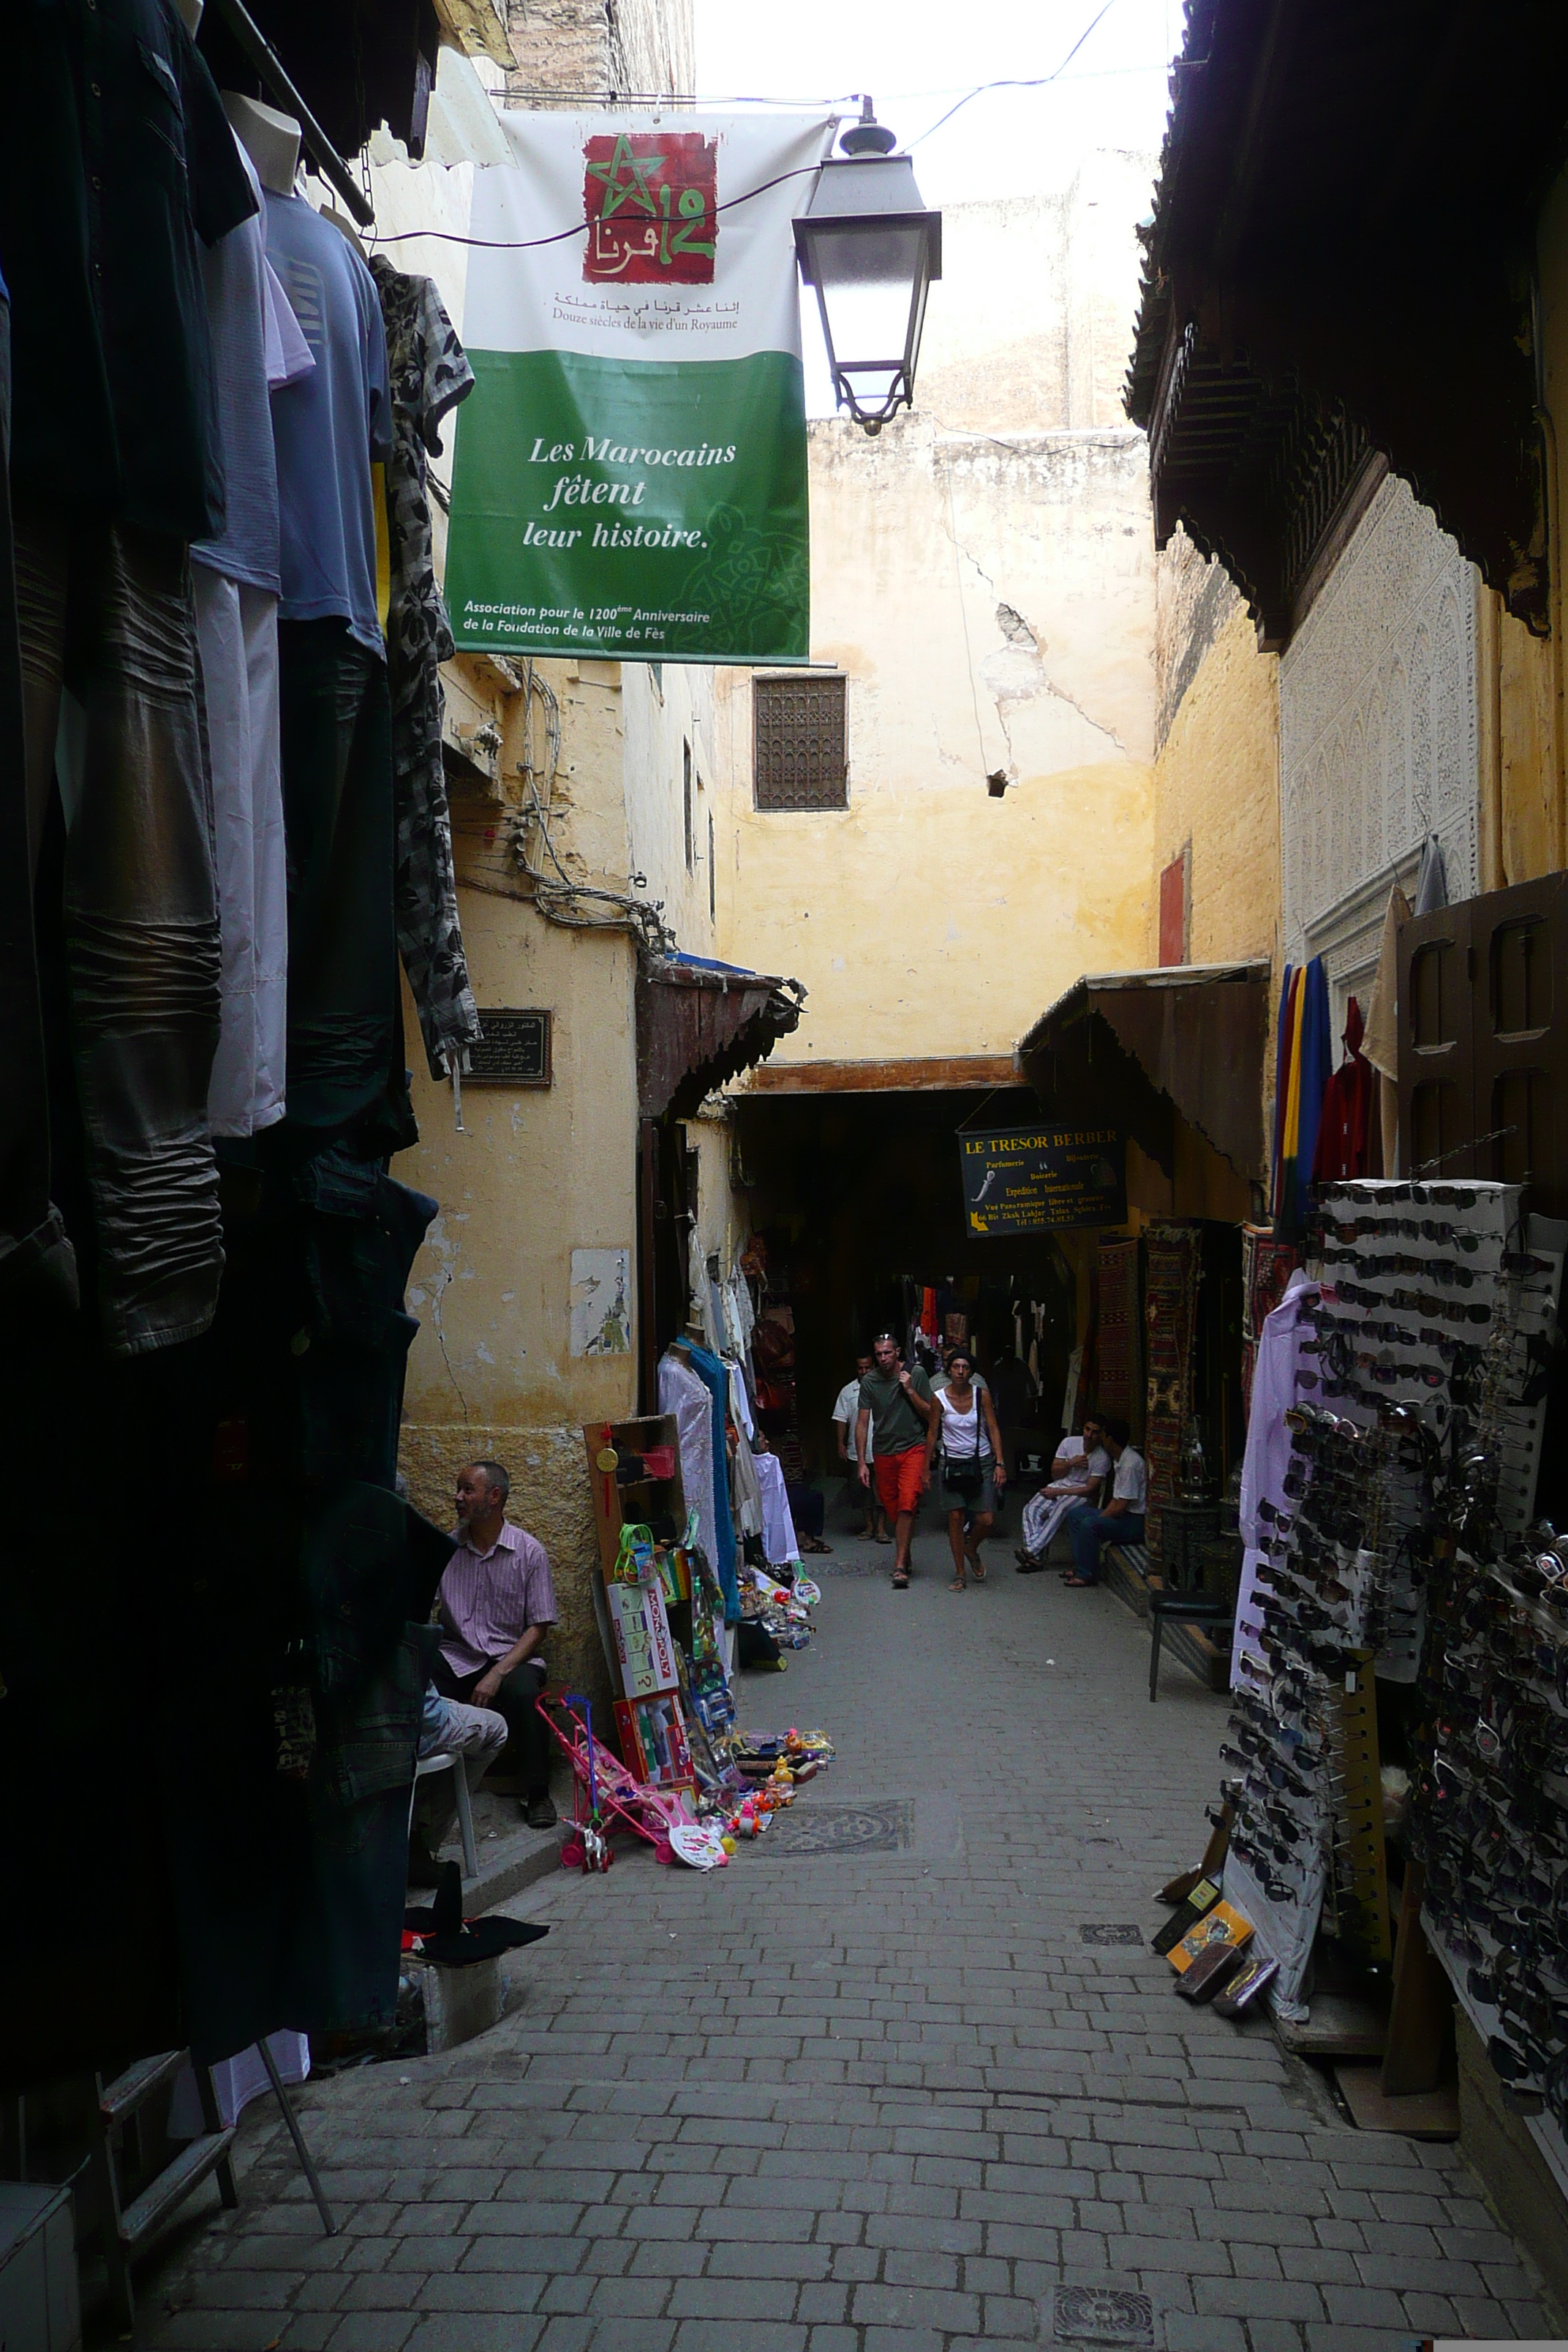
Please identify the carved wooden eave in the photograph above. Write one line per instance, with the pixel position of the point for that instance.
(1337, 281)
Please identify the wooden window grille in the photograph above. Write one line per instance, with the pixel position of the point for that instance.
(799, 756)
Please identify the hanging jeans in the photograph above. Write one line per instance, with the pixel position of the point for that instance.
(108, 676)
(34, 1251)
(337, 814)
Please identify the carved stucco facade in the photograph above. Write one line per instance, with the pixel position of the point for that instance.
(1377, 737)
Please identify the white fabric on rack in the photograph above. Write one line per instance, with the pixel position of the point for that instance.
(237, 2081)
(779, 1543)
(683, 1394)
(748, 1491)
(740, 1403)
(1267, 1456)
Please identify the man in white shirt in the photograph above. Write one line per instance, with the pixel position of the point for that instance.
(1121, 1520)
(846, 1414)
(1076, 1473)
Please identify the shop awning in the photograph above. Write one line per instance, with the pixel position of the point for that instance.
(1183, 1037)
(700, 1023)
(1333, 282)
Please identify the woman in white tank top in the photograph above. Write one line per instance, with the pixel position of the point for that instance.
(964, 1430)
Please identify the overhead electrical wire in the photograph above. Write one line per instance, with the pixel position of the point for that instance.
(578, 228)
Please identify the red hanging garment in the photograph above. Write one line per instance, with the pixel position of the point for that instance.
(1344, 1129)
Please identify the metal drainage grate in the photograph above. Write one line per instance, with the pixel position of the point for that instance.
(1101, 1931)
(814, 1830)
(1099, 2315)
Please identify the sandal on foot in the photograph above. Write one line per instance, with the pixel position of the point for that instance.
(976, 1568)
(957, 1585)
(901, 1580)
(1081, 1583)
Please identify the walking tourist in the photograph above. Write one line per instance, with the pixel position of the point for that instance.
(896, 1406)
(964, 1430)
(845, 1416)
(496, 1604)
(1121, 1520)
(1080, 1465)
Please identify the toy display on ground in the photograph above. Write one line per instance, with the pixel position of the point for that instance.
(686, 1780)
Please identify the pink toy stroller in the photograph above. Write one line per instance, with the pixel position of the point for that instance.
(602, 1787)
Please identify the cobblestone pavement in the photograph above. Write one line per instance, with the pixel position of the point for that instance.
(849, 2102)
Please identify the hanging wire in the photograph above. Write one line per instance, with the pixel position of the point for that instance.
(1039, 81)
(661, 97)
(578, 228)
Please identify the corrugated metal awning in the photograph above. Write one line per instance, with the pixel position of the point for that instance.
(1197, 1033)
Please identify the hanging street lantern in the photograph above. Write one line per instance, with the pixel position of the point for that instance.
(868, 244)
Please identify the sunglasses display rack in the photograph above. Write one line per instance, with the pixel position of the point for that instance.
(1414, 1379)
(1490, 1804)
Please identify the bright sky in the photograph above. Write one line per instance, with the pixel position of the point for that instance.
(918, 57)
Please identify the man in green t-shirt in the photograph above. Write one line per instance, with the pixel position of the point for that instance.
(895, 1407)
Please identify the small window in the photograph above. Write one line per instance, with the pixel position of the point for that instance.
(690, 840)
(799, 757)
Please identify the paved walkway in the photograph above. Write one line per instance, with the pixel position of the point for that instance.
(872, 2100)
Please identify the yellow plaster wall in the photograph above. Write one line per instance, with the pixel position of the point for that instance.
(989, 602)
(1216, 784)
(1523, 676)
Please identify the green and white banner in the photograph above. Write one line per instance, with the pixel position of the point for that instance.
(629, 472)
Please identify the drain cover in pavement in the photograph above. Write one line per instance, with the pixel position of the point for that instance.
(809, 1829)
(1101, 1932)
(1099, 2315)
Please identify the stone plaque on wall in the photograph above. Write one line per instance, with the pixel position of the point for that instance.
(513, 1049)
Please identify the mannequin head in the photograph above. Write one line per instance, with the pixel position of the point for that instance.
(271, 140)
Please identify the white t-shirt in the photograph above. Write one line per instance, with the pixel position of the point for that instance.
(1131, 1482)
(848, 1410)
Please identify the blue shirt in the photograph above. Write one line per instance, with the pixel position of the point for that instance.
(330, 426)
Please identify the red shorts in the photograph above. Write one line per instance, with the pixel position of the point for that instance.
(900, 1480)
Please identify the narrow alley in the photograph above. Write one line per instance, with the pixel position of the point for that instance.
(899, 2077)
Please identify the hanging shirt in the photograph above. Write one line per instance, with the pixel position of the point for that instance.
(331, 427)
(429, 374)
(1344, 1129)
(257, 348)
(117, 165)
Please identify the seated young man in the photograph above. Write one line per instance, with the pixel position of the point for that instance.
(1081, 1463)
(1121, 1520)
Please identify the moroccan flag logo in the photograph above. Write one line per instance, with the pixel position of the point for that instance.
(649, 199)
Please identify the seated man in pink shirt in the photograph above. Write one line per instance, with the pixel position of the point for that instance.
(496, 1604)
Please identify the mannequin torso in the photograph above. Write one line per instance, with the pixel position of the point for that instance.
(271, 140)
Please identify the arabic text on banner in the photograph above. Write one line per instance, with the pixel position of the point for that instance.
(630, 475)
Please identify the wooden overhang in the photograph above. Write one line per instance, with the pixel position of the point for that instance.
(701, 1025)
(1338, 279)
(910, 1074)
(1141, 1046)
